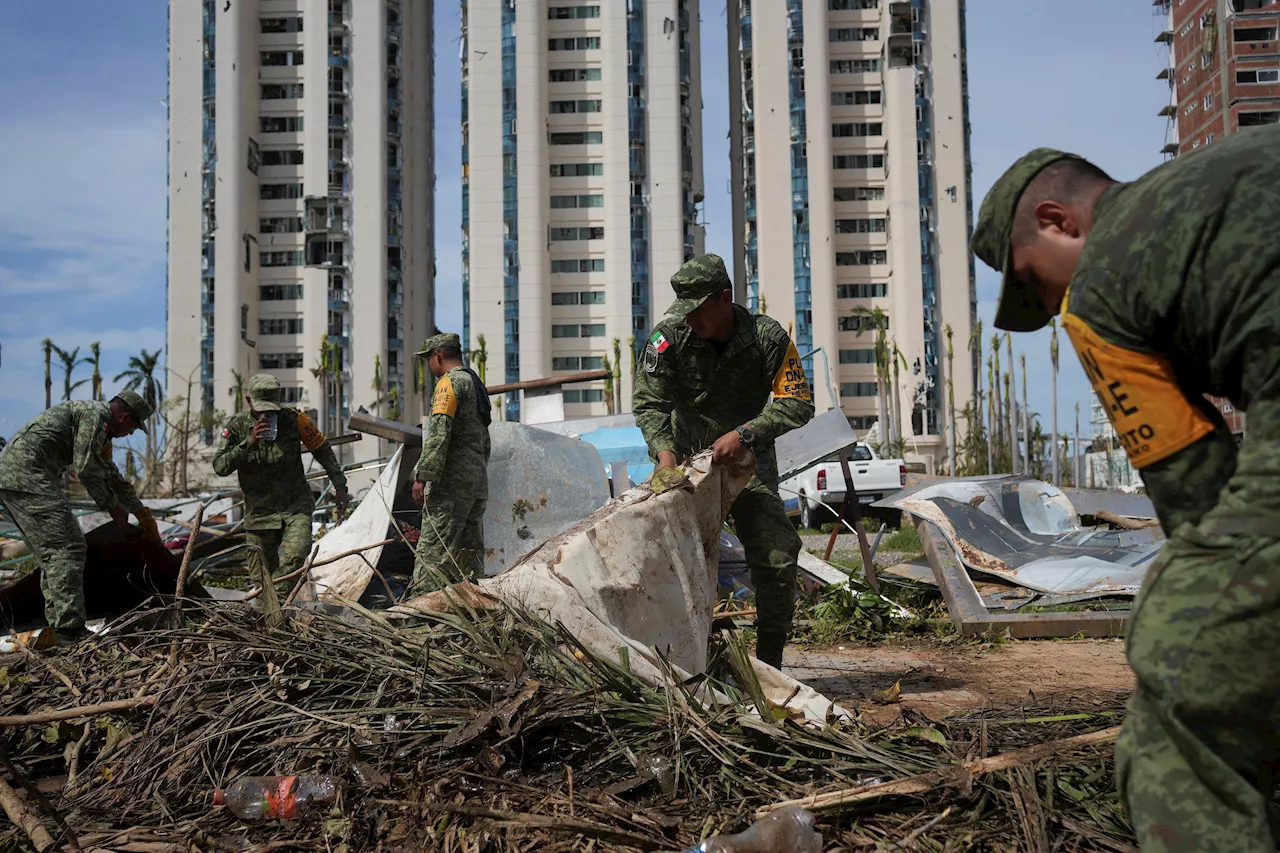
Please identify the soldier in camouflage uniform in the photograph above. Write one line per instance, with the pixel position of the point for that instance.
(1169, 288)
(278, 501)
(451, 481)
(706, 376)
(72, 435)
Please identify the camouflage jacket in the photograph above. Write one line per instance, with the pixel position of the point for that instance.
(688, 393)
(272, 474)
(69, 435)
(1177, 295)
(455, 443)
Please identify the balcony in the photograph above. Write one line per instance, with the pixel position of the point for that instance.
(335, 261)
(393, 33)
(339, 122)
(1165, 74)
(1165, 37)
(1168, 111)
(338, 58)
(338, 22)
(338, 158)
(393, 99)
(1169, 148)
(339, 89)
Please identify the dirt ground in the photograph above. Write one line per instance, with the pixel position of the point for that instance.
(942, 679)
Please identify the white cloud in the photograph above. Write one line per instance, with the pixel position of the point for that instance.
(82, 241)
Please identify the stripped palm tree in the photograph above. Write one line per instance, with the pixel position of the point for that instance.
(1053, 416)
(95, 358)
(1015, 453)
(880, 322)
(69, 361)
(47, 346)
(951, 400)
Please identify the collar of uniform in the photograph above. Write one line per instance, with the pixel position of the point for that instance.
(744, 331)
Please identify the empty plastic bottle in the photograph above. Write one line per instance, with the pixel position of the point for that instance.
(277, 797)
(788, 830)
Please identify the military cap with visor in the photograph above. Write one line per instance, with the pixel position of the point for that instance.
(137, 406)
(1019, 308)
(697, 281)
(444, 340)
(264, 393)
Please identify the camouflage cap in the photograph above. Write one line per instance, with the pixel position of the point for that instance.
(264, 392)
(1019, 308)
(699, 278)
(435, 342)
(138, 407)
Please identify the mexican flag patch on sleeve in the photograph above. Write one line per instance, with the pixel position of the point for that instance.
(660, 342)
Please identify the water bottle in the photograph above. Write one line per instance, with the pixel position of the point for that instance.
(277, 797)
(273, 428)
(788, 830)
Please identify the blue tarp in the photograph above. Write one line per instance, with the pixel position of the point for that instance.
(622, 444)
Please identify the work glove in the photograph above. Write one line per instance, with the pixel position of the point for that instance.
(147, 522)
(666, 479)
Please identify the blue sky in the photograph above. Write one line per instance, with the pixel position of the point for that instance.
(82, 225)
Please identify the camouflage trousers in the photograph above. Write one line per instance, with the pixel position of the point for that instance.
(771, 545)
(56, 541)
(450, 543)
(1201, 743)
(277, 552)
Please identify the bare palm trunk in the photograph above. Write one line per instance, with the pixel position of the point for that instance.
(1079, 472)
(991, 419)
(1015, 453)
(1026, 418)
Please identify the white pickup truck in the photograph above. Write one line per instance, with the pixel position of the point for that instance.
(822, 485)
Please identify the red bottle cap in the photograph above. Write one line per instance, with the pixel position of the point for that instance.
(219, 796)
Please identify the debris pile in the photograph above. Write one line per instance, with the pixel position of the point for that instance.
(493, 724)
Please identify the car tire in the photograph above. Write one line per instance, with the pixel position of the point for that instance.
(806, 517)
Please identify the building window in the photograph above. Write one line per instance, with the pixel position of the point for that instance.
(877, 225)
(562, 107)
(270, 58)
(280, 225)
(278, 191)
(857, 389)
(853, 34)
(279, 292)
(1258, 75)
(1259, 118)
(280, 124)
(857, 128)
(577, 233)
(1208, 139)
(573, 75)
(857, 356)
(875, 257)
(281, 91)
(850, 5)
(1254, 34)
(857, 161)
(576, 170)
(291, 394)
(280, 326)
(859, 193)
(585, 137)
(1206, 59)
(578, 330)
(577, 265)
(563, 202)
(580, 43)
(574, 362)
(579, 297)
(1208, 101)
(279, 360)
(565, 13)
(862, 291)
(583, 395)
(282, 25)
(854, 66)
(860, 323)
(291, 157)
(855, 98)
(280, 259)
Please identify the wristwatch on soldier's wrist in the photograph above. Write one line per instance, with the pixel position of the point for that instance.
(746, 435)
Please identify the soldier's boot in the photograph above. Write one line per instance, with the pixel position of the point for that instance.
(769, 645)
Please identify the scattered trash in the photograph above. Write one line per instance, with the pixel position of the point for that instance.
(277, 797)
(788, 830)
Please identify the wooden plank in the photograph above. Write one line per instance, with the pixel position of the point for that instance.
(551, 381)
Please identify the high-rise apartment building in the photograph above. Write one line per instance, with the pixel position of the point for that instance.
(582, 172)
(1224, 77)
(1224, 68)
(850, 139)
(300, 197)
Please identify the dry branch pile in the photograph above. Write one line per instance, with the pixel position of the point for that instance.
(494, 733)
